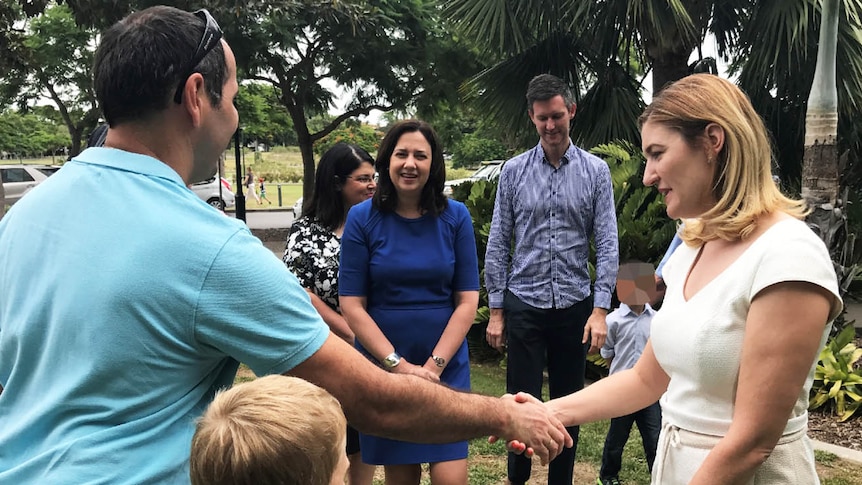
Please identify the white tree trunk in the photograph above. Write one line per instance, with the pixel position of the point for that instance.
(820, 162)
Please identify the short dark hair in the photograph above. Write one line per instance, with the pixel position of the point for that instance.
(544, 87)
(140, 59)
(326, 203)
(432, 199)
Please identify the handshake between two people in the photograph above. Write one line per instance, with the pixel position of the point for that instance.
(539, 438)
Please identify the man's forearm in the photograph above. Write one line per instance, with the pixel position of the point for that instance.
(417, 410)
(409, 408)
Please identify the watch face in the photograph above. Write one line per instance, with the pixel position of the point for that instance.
(392, 360)
(440, 361)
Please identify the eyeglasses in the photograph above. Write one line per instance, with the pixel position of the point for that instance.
(364, 179)
(212, 35)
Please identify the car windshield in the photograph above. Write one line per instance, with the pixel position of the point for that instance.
(484, 172)
(48, 170)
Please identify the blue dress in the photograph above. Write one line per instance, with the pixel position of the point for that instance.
(409, 270)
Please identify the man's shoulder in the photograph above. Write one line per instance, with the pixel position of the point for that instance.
(518, 163)
(592, 161)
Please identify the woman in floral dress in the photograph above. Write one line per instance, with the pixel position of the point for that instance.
(345, 177)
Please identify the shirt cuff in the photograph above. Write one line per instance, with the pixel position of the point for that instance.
(495, 299)
(602, 300)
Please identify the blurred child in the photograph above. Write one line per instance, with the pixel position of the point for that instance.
(263, 191)
(628, 332)
(273, 430)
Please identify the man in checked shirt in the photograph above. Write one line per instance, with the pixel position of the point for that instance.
(551, 200)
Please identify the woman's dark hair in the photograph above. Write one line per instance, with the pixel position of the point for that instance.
(326, 203)
(142, 59)
(432, 199)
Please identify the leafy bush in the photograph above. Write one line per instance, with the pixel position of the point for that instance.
(837, 378)
(479, 198)
(359, 134)
(644, 228)
(473, 148)
(458, 173)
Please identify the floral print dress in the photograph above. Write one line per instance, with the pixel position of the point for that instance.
(312, 253)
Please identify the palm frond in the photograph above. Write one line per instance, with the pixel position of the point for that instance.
(496, 22)
(495, 89)
(609, 110)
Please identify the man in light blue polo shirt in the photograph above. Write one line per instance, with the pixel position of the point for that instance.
(125, 300)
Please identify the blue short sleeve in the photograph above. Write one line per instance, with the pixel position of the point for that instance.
(269, 323)
(466, 259)
(353, 278)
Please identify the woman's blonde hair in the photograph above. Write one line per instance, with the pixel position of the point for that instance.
(742, 183)
(273, 430)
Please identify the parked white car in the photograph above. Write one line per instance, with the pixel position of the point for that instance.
(20, 179)
(489, 170)
(208, 190)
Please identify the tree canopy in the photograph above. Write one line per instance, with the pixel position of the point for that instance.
(51, 58)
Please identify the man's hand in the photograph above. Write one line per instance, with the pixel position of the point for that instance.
(534, 429)
(496, 326)
(596, 330)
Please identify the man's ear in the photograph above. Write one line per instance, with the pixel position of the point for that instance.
(714, 139)
(194, 97)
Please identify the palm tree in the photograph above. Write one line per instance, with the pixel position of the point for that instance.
(602, 48)
(820, 166)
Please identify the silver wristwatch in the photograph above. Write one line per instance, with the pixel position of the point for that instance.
(440, 361)
(391, 361)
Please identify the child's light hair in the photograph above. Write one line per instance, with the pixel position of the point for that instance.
(273, 430)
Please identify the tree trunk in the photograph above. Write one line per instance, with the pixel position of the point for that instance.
(306, 147)
(820, 161)
(820, 184)
(76, 135)
(669, 58)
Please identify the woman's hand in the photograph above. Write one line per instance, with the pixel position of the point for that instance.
(408, 368)
(432, 366)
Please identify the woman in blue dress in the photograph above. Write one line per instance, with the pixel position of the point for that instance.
(408, 286)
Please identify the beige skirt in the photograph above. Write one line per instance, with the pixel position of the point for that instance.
(680, 454)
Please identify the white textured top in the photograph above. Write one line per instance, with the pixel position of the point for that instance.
(698, 342)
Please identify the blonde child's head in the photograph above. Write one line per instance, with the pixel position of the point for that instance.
(273, 430)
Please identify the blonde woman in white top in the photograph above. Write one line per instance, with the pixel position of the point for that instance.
(750, 300)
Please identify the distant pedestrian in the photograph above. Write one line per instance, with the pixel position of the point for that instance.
(261, 180)
(249, 184)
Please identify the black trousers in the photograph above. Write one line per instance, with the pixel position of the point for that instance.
(648, 420)
(536, 336)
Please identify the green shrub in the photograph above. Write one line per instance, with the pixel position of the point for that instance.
(479, 198)
(458, 173)
(350, 132)
(837, 379)
(643, 226)
(473, 148)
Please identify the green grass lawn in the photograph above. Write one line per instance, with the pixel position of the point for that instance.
(487, 462)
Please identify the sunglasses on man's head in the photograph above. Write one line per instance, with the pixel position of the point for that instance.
(211, 37)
